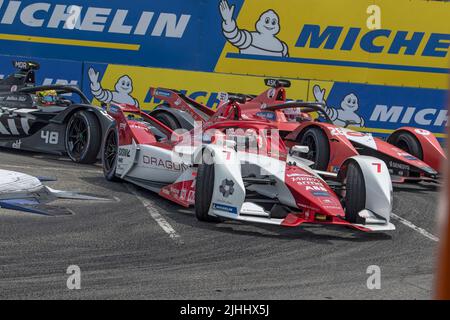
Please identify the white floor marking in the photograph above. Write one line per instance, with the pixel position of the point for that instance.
(156, 215)
(409, 224)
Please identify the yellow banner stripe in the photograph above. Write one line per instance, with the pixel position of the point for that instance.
(71, 42)
(377, 130)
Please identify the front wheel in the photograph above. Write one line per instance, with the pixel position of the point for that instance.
(83, 137)
(407, 142)
(319, 148)
(354, 193)
(204, 188)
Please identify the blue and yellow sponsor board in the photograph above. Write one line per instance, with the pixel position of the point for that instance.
(331, 40)
(182, 34)
(126, 84)
(381, 109)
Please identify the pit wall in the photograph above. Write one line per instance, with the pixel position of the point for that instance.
(384, 78)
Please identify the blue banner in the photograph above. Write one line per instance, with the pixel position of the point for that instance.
(181, 34)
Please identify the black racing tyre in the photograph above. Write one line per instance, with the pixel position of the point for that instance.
(355, 192)
(167, 119)
(407, 142)
(83, 137)
(319, 148)
(110, 151)
(204, 188)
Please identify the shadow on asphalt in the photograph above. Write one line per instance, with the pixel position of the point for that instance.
(186, 217)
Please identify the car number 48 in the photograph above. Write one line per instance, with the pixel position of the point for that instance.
(50, 137)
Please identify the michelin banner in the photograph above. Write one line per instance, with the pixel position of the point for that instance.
(372, 108)
(382, 109)
(401, 43)
(131, 85)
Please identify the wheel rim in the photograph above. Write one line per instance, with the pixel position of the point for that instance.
(78, 137)
(311, 144)
(110, 153)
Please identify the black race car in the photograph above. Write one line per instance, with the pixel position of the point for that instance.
(56, 119)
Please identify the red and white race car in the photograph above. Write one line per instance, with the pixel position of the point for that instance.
(241, 170)
(411, 154)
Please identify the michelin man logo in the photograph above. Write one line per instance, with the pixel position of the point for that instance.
(124, 87)
(263, 41)
(346, 115)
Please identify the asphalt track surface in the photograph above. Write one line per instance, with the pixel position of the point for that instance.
(139, 246)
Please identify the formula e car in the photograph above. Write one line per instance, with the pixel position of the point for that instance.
(411, 154)
(241, 170)
(46, 119)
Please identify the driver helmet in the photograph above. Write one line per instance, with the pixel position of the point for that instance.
(47, 97)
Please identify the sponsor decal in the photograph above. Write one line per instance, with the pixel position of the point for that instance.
(226, 188)
(410, 157)
(267, 115)
(335, 169)
(114, 109)
(164, 164)
(422, 132)
(306, 180)
(16, 98)
(17, 144)
(163, 93)
(225, 208)
(318, 191)
(400, 166)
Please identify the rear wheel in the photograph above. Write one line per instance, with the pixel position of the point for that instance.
(83, 137)
(204, 188)
(167, 119)
(407, 142)
(355, 192)
(319, 148)
(109, 154)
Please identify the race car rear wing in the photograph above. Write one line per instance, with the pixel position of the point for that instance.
(22, 77)
(26, 65)
(178, 100)
(304, 106)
